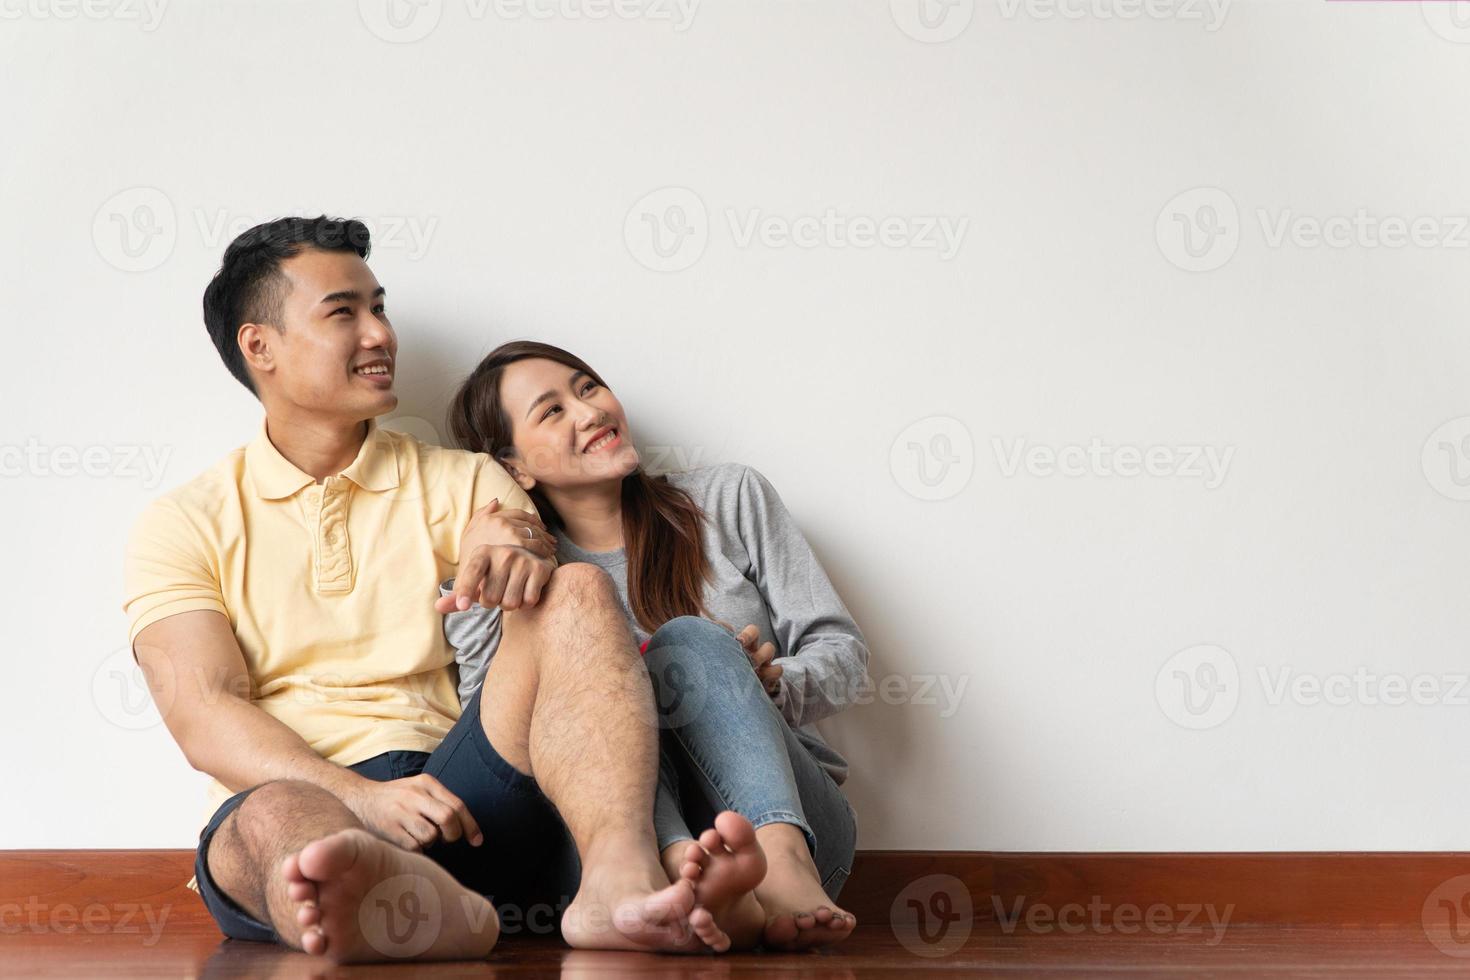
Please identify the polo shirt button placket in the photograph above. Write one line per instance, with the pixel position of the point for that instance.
(334, 572)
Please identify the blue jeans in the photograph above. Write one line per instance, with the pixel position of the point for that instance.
(725, 746)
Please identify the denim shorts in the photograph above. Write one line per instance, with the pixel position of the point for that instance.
(527, 865)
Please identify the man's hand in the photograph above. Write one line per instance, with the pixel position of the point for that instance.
(413, 812)
(762, 659)
(506, 559)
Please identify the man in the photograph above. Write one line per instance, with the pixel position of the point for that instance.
(285, 607)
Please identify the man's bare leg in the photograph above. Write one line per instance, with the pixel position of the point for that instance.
(294, 856)
(567, 701)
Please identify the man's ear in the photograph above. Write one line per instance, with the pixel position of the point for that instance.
(255, 346)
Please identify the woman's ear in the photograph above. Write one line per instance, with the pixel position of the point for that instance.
(507, 460)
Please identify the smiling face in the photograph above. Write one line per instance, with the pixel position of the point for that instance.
(334, 353)
(568, 430)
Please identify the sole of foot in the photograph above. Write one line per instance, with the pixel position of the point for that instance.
(725, 866)
(356, 898)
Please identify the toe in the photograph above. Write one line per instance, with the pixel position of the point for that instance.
(823, 914)
(736, 831)
(301, 891)
(314, 941)
(711, 841)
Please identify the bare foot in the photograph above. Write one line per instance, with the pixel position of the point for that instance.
(799, 913)
(724, 867)
(353, 898)
(622, 912)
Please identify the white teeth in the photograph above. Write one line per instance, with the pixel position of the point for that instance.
(376, 369)
(602, 441)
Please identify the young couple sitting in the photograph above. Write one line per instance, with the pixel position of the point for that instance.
(624, 752)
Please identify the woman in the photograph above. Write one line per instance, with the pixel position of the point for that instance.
(693, 555)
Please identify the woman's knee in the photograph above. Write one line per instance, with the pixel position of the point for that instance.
(694, 635)
(691, 652)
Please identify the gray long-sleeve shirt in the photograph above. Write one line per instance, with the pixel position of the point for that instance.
(762, 571)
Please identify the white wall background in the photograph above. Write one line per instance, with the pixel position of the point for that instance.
(504, 160)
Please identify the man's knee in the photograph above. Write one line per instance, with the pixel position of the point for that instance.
(280, 803)
(579, 584)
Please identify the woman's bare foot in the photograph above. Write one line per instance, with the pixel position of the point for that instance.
(618, 909)
(724, 867)
(799, 915)
(353, 897)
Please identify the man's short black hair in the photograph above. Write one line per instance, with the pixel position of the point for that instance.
(249, 286)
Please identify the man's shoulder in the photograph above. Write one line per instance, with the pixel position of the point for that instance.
(432, 458)
(194, 505)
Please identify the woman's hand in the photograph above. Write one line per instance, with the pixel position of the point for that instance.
(763, 659)
(505, 559)
(492, 526)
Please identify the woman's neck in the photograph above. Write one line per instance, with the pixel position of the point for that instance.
(592, 516)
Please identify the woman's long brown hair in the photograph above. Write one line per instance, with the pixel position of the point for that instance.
(667, 566)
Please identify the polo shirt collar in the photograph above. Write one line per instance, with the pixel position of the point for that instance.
(275, 477)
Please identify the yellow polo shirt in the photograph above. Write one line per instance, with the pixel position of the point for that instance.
(329, 587)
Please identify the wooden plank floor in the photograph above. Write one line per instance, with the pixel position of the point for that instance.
(126, 913)
(1254, 951)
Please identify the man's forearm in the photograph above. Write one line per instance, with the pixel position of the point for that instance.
(242, 746)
